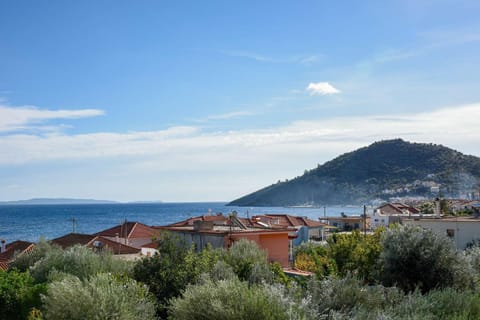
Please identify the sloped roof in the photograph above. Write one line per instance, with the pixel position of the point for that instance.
(16, 247)
(129, 230)
(4, 265)
(217, 219)
(88, 240)
(152, 245)
(72, 239)
(400, 207)
(286, 220)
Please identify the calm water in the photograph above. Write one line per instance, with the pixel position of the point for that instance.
(30, 222)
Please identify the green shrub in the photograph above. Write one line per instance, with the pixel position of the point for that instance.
(18, 294)
(342, 296)
(234, 300)
(24, 261)
(249, 261)
(168, 273)
(413, 257)
(79, 261)
(102, 296)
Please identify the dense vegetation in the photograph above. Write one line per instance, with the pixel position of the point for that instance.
(401, 273)
(365, 174)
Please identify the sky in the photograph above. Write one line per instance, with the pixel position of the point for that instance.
(211, 100)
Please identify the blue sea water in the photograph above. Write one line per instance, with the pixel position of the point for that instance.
(30, 222)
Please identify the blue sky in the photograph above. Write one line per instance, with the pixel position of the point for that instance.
(210, 100)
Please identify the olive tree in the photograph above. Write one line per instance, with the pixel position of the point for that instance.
(413, 257)
(104, 296)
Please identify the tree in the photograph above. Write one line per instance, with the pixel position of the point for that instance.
(104, 296)
(167, 274)
(249, 261)
(413, 257)
(356, 253)
(18, 294)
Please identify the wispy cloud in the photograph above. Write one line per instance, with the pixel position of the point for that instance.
(301, 59)
(22, 118)
(454, 126)
(230, 115)
(321, 88)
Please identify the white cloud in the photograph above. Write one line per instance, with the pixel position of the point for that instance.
(189, 163)
(230, 115)
(451, 126)
(321, 88)
(19, 118)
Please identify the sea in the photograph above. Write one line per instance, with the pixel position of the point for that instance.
(32, 222)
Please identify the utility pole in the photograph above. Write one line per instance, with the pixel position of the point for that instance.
(364, 220)
(74, 224)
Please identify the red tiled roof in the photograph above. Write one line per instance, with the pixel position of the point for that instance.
(130, 230)
(72, 239)
(4, 265)
(15, 247)
(88, 240)
(153, 245)
(286, 220)
(220, 219)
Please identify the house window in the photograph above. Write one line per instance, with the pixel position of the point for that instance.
(376, 220)
(450, 233)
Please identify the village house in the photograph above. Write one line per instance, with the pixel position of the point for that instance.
(391, 213)
(221, 232)
(349, 223)
(304, 228)
(9, 251)
(134, 234)
(96, 243)
(461, 230)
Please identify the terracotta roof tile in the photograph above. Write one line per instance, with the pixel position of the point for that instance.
(15, 247)
(130, 230)
(89, 240)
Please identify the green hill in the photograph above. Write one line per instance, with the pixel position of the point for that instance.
(385, 169)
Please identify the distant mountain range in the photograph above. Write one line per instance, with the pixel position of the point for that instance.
(51, 201)
(383, 170)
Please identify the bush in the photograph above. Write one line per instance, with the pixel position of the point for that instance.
(79, 261)
(24, 261)
(416, 258)
(168, 273)
(248, 261)
(234, 299)
(103, 296)
(342, 296)
(356, 253)
(18, 294)
(314, 258)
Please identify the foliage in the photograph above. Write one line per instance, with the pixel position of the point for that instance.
(356, 253)
(77, 260)
(102, 296)
(247, 260)
(18, 294)
(168, 273)
(26, 260)
(234, 299)
(416, 258)
(314, 258)
(345, 294)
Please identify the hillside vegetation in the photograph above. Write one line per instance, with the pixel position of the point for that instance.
(382, 170)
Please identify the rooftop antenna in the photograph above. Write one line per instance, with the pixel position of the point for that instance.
(74, 224)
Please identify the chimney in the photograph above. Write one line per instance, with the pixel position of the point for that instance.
(3, 246)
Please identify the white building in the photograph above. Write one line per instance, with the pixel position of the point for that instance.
(462, 230)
